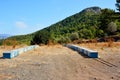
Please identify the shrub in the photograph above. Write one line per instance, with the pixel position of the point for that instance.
(41, 38)
(74, 36)
(112, 27)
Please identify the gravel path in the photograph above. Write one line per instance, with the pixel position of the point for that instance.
(60, 63)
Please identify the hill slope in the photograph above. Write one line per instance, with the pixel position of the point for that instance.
(82, 24)
(23, 39)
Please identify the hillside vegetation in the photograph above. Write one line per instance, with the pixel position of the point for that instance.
(23, 39)
(90, 23)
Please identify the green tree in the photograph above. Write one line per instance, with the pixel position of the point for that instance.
(112, 27)
(118, 5)
(74, 36)
(87, 34)
(105, 18)
(41, 37)
(100, 33)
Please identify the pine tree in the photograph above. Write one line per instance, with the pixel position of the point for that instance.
(118, 5)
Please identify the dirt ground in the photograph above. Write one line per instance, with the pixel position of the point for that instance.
(60, 63)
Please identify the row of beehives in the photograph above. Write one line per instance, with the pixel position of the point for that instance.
(82, 50)
(16, 52)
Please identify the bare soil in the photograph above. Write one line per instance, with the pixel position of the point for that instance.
(61, 63)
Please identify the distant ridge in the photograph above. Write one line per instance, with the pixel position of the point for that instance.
(4, 36)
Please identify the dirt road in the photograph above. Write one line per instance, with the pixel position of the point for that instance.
(60, 63)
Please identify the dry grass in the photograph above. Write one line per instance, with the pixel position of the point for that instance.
(3, 76)
(101, 46)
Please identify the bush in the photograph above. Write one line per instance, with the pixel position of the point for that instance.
(74, 36)
(112, 27)
(64, 40)
(1, 42)
(41, 38)
(86, 34)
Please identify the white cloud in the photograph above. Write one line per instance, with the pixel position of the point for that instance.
(21, 24)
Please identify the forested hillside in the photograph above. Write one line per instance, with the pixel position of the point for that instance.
(90, 23)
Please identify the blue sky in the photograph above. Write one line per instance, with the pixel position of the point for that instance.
(26, 16)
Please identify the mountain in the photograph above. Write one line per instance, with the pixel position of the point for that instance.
(83, 25)
(96, 10)
(4, 36)
(79, 23)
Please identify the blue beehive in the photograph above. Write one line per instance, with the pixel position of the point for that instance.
(87, 52)
(15, 53)
(8, 55)
(93, 54)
